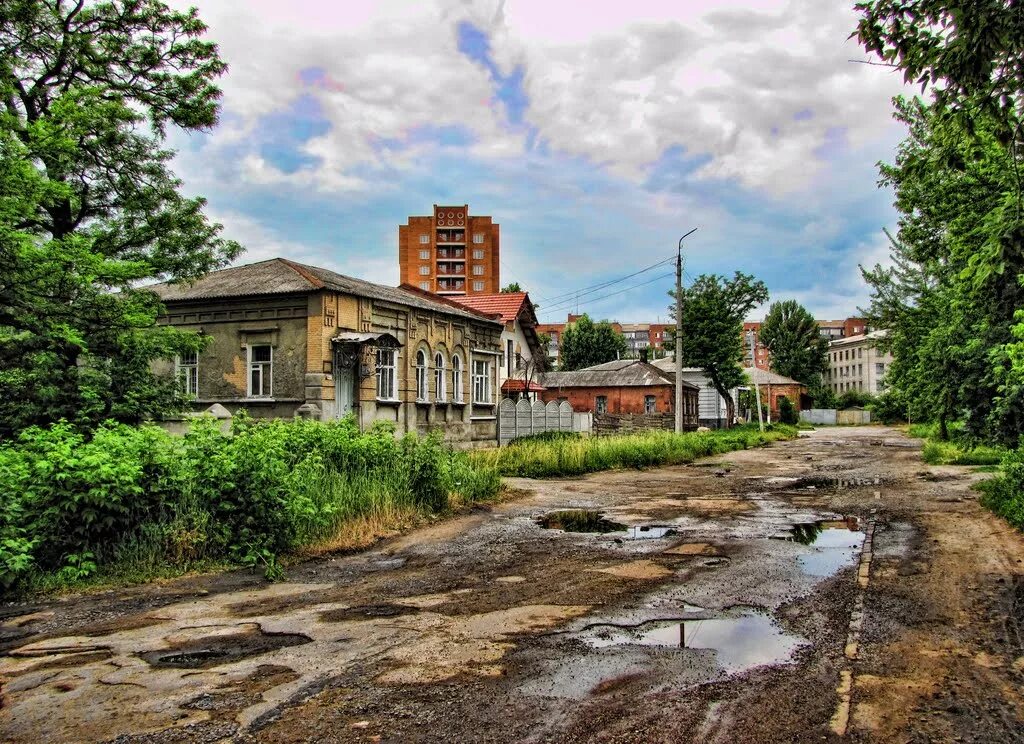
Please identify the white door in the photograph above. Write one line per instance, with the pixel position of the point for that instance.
(344, 382)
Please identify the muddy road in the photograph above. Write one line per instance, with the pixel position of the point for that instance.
(825, 589)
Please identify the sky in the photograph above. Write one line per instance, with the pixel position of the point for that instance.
(595, 133)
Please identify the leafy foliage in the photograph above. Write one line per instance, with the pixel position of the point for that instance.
(787, 411)
(513, 287)
(72, 503)
(791, 335)
(88, 206)
(713, 311)
(586, 343)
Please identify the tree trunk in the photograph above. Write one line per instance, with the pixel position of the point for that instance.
(943, 426)
(730, 404)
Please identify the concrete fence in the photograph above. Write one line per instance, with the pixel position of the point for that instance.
(832, 417)
(525, 419)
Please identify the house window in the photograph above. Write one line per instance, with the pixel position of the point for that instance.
(422, 393)
(439, 380)
(186, 367)
(478, 254)
(424, 239)
(478, 286)
(481, 381)
(387, 388)
(424, 255)
(478, 238)
(879, 368)
(457, 378)
(425, 286)
(509, 357)
(424, 271)
(261, 371)
(601, 404)
(649, 404)
(478, 269)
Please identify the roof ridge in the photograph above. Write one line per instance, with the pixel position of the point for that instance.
(304, 272)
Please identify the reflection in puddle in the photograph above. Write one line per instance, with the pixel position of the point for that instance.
(739, 643)
(649, 532)
(834, 544)
(579, 520)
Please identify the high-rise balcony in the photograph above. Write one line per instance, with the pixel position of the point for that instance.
(451, 236)
(451, 252)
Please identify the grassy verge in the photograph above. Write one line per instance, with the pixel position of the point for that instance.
(563, 456)
(957, 450)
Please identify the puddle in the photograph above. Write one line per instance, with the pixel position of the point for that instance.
(649, 532)
(364, 612)
(835, 544)
(579, 520)
(211, 651)
(813, 482)
(739, 643)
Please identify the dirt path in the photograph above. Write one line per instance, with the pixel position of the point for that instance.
(824, 589)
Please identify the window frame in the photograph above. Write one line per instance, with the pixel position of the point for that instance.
(381, 368)
(425, 255)
(457, 388)
(478, 269)
(424, 271)
(478, 238)
(422, 380)
(478, 285)
(188, 373)
(600, 404)
(478, 254)
(651, 404)
(266, 369)
(424, 239)
(482, 382)
(440, 383)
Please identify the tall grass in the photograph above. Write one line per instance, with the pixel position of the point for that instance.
(959, 449)
(576, 456)
(1004, 494)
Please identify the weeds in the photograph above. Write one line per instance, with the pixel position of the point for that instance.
(959, 449)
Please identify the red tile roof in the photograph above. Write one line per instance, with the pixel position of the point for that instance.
(518, 386)
(506, 304)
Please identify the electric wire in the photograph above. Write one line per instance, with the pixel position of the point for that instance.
(596, 300)
(597, 287)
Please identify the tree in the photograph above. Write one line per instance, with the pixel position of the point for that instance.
(791, 335)
(513, 287)
(89, 208)
(586, 343)
(713, 311)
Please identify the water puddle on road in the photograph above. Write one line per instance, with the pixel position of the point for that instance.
(834, 544)
(211, 651)
(589, 520)
(739, 643)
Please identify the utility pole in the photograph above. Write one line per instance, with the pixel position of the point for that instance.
(679, 333)
(757, 389)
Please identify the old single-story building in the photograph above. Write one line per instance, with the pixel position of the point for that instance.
(619, 387)
(773, 388)
(523, 358)
(712, 405)
(289, 339)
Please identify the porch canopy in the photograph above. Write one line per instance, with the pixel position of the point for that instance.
(380, 340)
(519, 386)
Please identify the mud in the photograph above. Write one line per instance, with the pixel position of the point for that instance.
(691, 621)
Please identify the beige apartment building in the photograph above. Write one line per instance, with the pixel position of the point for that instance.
(856, 363)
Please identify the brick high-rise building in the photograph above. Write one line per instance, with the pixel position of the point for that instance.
(450, 252)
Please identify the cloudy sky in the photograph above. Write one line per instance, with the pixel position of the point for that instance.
(595, 133)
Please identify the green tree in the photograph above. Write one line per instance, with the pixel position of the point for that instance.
(513, 287)
(89, 208)
(713, 311)
(586, 343)
(791, 335)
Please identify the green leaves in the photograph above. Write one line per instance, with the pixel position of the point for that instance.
(586, 343)
(791, 335)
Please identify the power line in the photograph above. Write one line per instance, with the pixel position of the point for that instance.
(576, 293)
(594, 301)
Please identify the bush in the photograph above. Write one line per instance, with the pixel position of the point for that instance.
(1004, 494)
(72, 504)
(787, 412)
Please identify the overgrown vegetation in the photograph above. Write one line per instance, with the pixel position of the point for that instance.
(958, 449)
(138, 500)
(574, 456)
(1004, 494)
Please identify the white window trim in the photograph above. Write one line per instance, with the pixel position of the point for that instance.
(182, 375)
(263, 376)
(478, 270)
(424, 239)
(422, 378)
(486, 387)
(425, 255)
(393, 366)
(478, 254)
(457, 381)
(424, 271)
(440, 382)
(478, 238)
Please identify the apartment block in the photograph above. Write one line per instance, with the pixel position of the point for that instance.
(450, 252)
(752, 337)
(832, 330)
(856, 363)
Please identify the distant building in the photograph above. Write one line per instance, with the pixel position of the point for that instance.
(640, 337)
(856, 363)
(761, 358)
(450, 252)
(622, 386)
(773, 388)
(523, 358)
(711, 406)
(829, 329)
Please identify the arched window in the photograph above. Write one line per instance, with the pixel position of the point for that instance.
(439, 380)
(422, 393)
(456, 378)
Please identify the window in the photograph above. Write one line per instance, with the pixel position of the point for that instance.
(478, 238)
(424, 240)
(424, 271)
(261, 371)
(478, 286)
(478, 269)
(439, 380)
(509, 357)
(649, 404)
(422, 393)
(425, 286)
(386, 380)
(860, 369)
(186, 367)
(601, 404)
(481, 381)
(860, 353)
(879, 368)
(457, 378)
(425, 255)
(478, 254)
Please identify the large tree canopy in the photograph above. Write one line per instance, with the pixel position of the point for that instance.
(792, 337)
(88, 206)
(585, 343)
(713, 311)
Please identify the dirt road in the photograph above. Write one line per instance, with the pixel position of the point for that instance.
(829, 588)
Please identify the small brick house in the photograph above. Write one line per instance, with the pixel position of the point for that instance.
(625, 386)
(289, 339)
(774, 387)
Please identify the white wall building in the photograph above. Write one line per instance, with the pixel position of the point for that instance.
(856, 363)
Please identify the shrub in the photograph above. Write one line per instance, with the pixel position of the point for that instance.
(787, 412)
(1004, 494)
